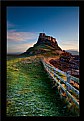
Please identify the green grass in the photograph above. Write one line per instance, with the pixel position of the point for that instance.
(29, 90)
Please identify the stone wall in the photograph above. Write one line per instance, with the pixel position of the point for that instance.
(44, 37)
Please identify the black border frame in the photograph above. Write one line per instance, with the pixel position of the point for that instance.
(5, 4)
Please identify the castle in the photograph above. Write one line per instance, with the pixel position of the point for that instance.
(47, 40)
(44, 44)
(43, 36)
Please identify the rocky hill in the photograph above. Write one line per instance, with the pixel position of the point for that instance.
(47, 40)
(45, 44)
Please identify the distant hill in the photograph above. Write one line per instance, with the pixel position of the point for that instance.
(45, 45)
(73, 52)
(12, 54)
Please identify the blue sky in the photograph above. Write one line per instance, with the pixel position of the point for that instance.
(25, 23)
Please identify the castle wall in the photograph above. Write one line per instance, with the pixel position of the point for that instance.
(44, 37)
(53, 39)
(48, 37)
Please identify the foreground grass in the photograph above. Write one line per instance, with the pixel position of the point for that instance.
(29, 90)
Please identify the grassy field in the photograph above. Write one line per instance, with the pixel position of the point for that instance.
(29, 90)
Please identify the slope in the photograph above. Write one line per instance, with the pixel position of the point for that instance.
(29, 90)
(45, 44)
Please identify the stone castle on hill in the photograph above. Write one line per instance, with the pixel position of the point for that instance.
(43, 36)
(44, 44)
(48, 40)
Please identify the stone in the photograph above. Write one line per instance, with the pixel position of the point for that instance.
(43, 43)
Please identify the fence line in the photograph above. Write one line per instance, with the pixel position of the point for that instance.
(65, 85)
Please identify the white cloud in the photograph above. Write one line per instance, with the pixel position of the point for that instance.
(72, 44)
(20, 41)
(67, 46)
(19, 48)
(15, 36)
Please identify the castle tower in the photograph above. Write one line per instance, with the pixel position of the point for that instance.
(42, 35)
(53, 39)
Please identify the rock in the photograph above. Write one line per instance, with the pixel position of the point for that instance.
(43, 39)
(31, 53)
(44, 44)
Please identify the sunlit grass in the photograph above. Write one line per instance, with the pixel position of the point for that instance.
(29, 90)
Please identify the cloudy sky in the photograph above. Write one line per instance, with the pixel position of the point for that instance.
(25, 23)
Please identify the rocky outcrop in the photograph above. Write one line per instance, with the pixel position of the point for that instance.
(67, 63)
(48, 40)
(44, 44)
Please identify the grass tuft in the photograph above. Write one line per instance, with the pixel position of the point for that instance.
(29, 90)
